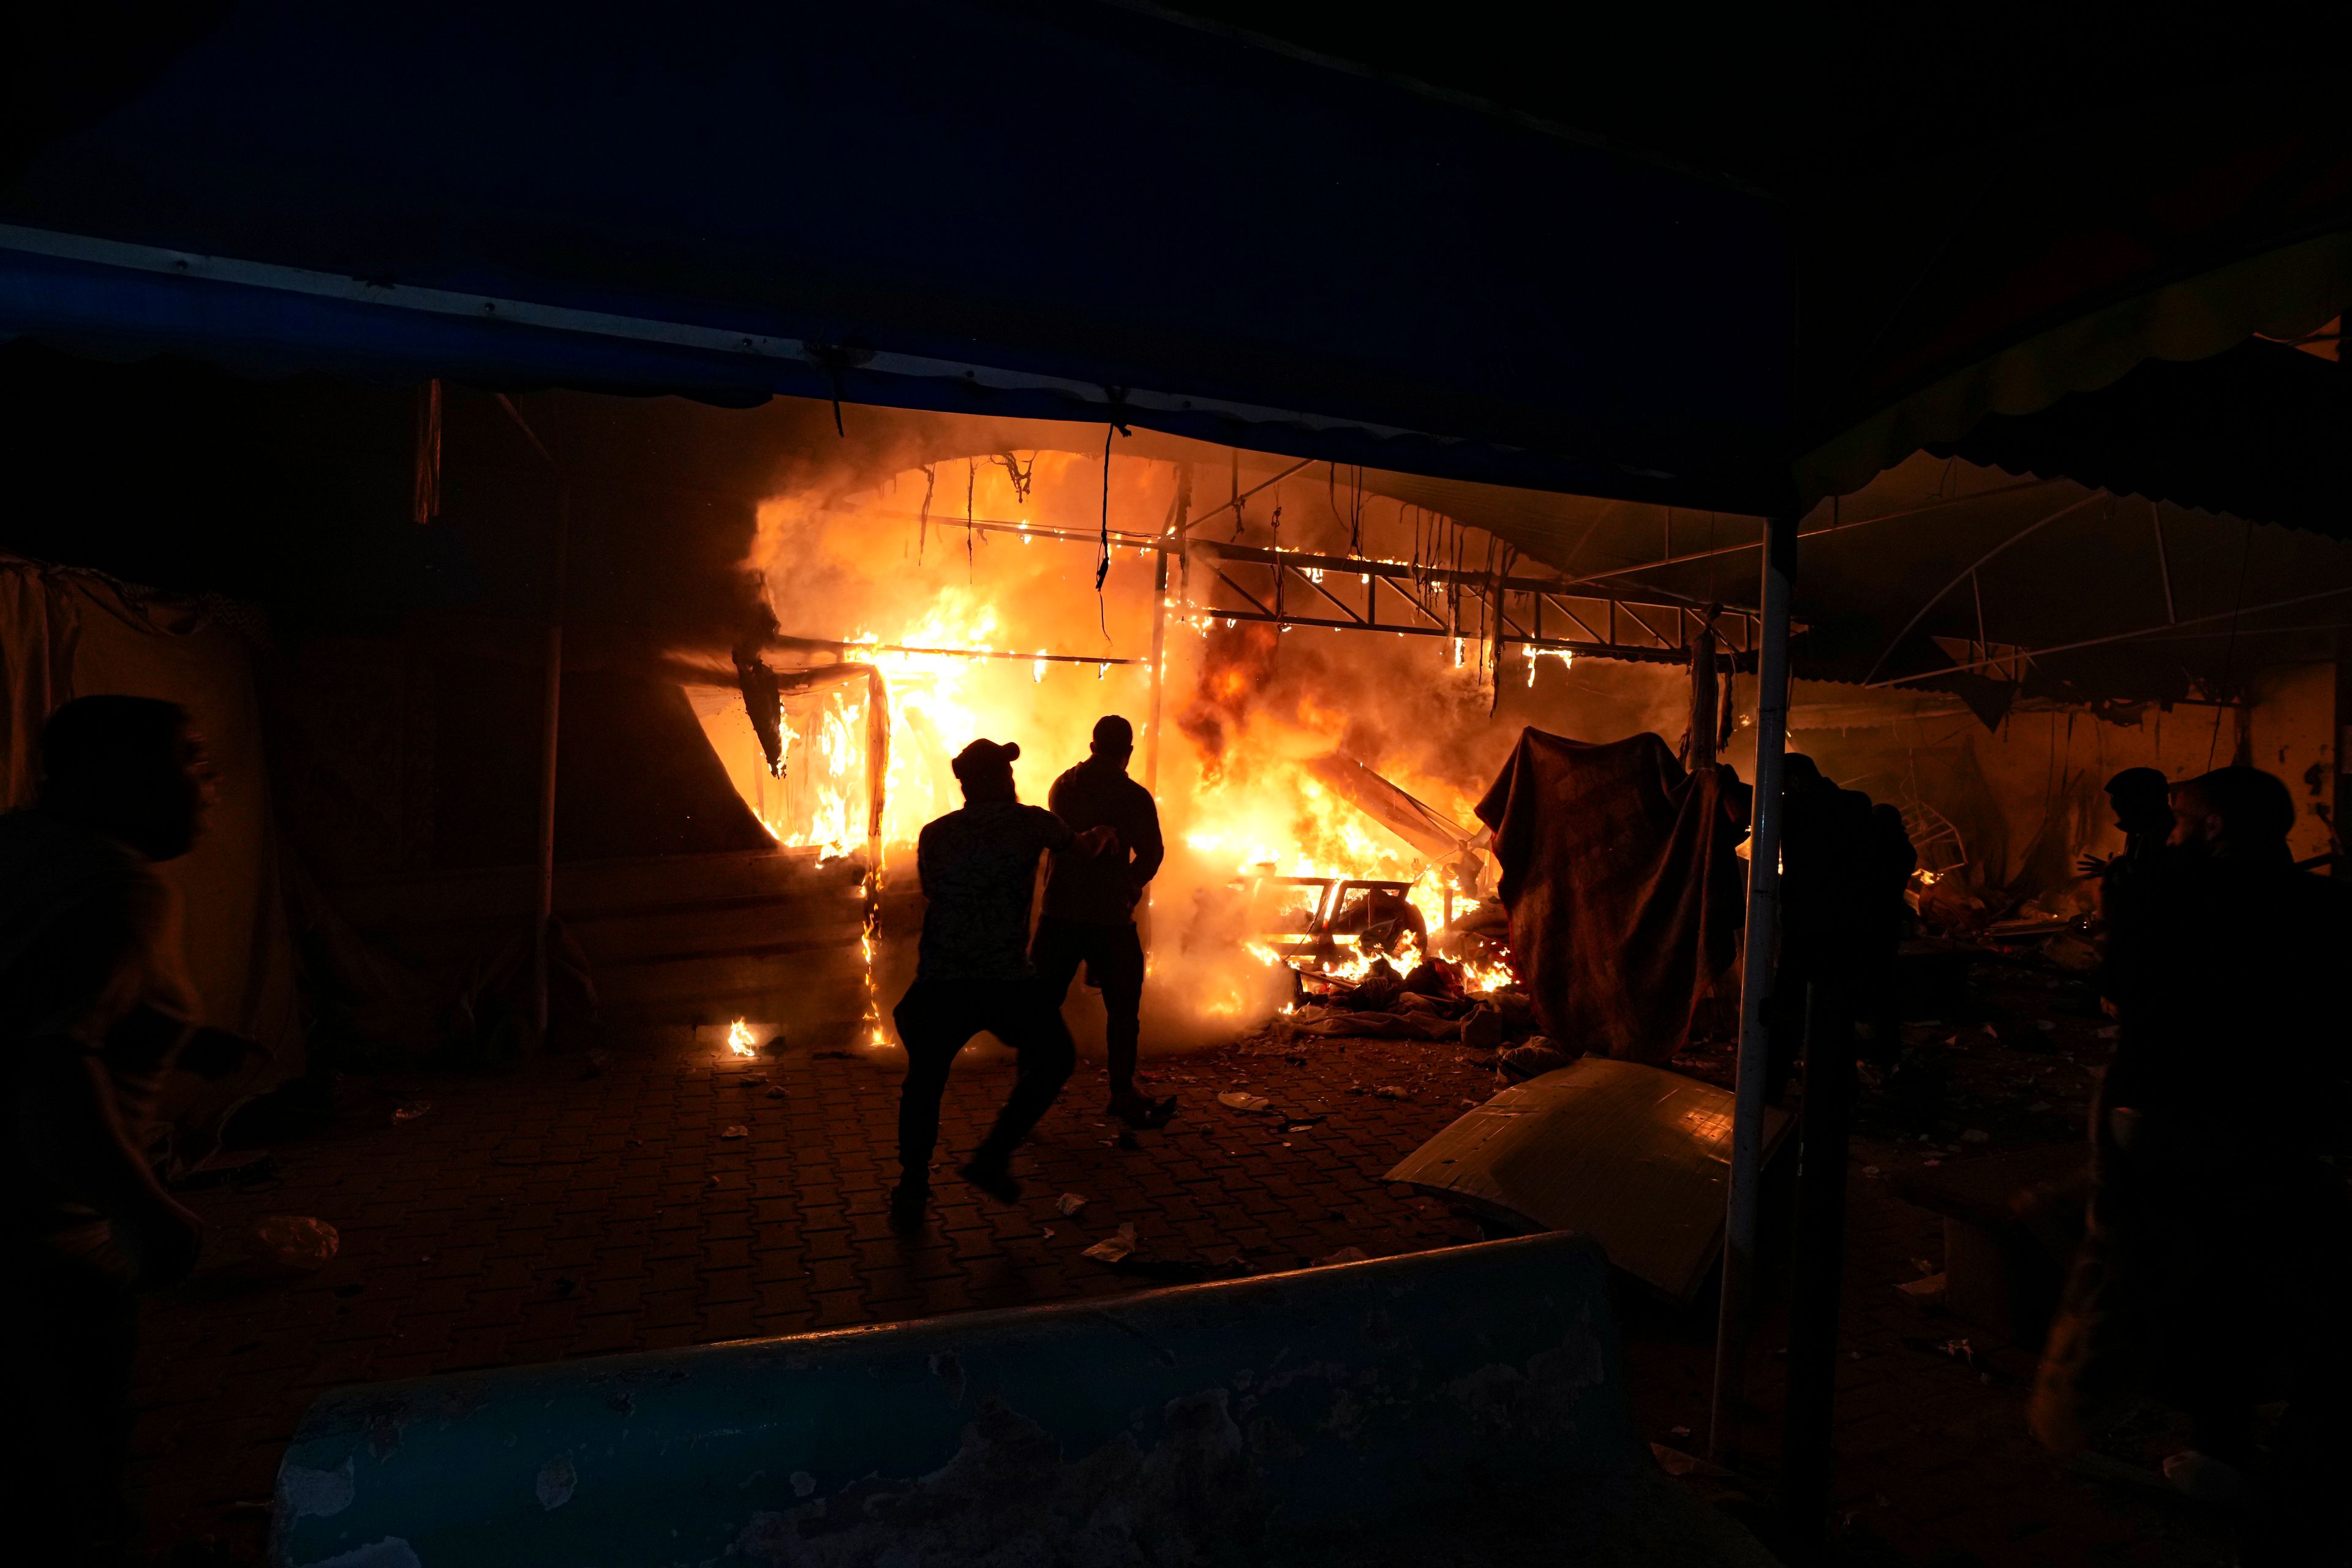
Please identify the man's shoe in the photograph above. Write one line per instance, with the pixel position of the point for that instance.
(910, 1208)
(993, 1177)
(1142, 1111)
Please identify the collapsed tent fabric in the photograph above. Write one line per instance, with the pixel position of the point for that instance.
(1623, 886)
(67, 634)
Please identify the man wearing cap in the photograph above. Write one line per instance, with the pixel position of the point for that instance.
(1090, 905)
(979, 872)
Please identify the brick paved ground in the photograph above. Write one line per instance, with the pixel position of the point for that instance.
(542, 1215)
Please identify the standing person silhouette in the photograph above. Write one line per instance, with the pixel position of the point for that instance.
(94, 1009)
(1090, 905)
(2214, 1269)
(979, 872)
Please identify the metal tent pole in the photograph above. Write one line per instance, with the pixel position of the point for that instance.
(1740, 1217)
(550, 716)
(543, 910)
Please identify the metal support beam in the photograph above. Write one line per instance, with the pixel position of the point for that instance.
(1741, 1214)
(550, 718)
(1658, 622)
(2021, 655)
(2027, 531)
(1817, 1271)
(1179, 521)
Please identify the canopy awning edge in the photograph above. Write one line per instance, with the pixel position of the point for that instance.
(2282, 293)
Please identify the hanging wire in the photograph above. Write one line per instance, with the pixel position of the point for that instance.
(970, 477)
(1102, 557)
(923, 523)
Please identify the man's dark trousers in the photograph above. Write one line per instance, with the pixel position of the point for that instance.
(936, 1019)
(1113, 955)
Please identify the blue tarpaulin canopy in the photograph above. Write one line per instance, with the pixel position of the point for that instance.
(1065, 210)
(1737, 265)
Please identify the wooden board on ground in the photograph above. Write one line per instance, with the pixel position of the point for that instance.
(1636, 1157)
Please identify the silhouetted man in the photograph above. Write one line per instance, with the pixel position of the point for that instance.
(1090, 905)
(979, 872)
(2143, 807)
(2214, 1272)
(94, 1009)
(2142, 802)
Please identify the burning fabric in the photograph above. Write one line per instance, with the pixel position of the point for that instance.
(1624, 888)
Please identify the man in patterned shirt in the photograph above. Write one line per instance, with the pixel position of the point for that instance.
(979, 872)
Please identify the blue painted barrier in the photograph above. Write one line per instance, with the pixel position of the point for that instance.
(1244, 1421)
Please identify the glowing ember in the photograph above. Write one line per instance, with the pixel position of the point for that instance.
(739, 1039)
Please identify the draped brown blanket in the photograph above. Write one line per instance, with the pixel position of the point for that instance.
(1625, 894)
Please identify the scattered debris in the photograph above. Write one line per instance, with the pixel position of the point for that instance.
(1676, 1463)
(2201, 1478)
(1112, 1248)
(595, 1063)
(1483, 1029)
(752, 1079)
(300, 1244)
(1963, 1351)
(1298, 1124)
(1236, 1100)
(1345, 1254)
(1926, 1292)
(1390, 1091)
(1976, 1135)
(776, 1091)
(738, 1130)
(566, 1285)
(1070, 1204)
(411, 1111)
(1532, 1057)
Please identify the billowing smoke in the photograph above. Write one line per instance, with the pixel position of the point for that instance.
(937, 553)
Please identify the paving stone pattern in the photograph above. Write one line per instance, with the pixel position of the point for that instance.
(543, 1214)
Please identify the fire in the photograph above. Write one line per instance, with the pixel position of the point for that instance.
(1009, 633)
(739, 1039)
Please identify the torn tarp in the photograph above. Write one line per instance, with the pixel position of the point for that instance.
(1624, 888)
(1419, 824)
